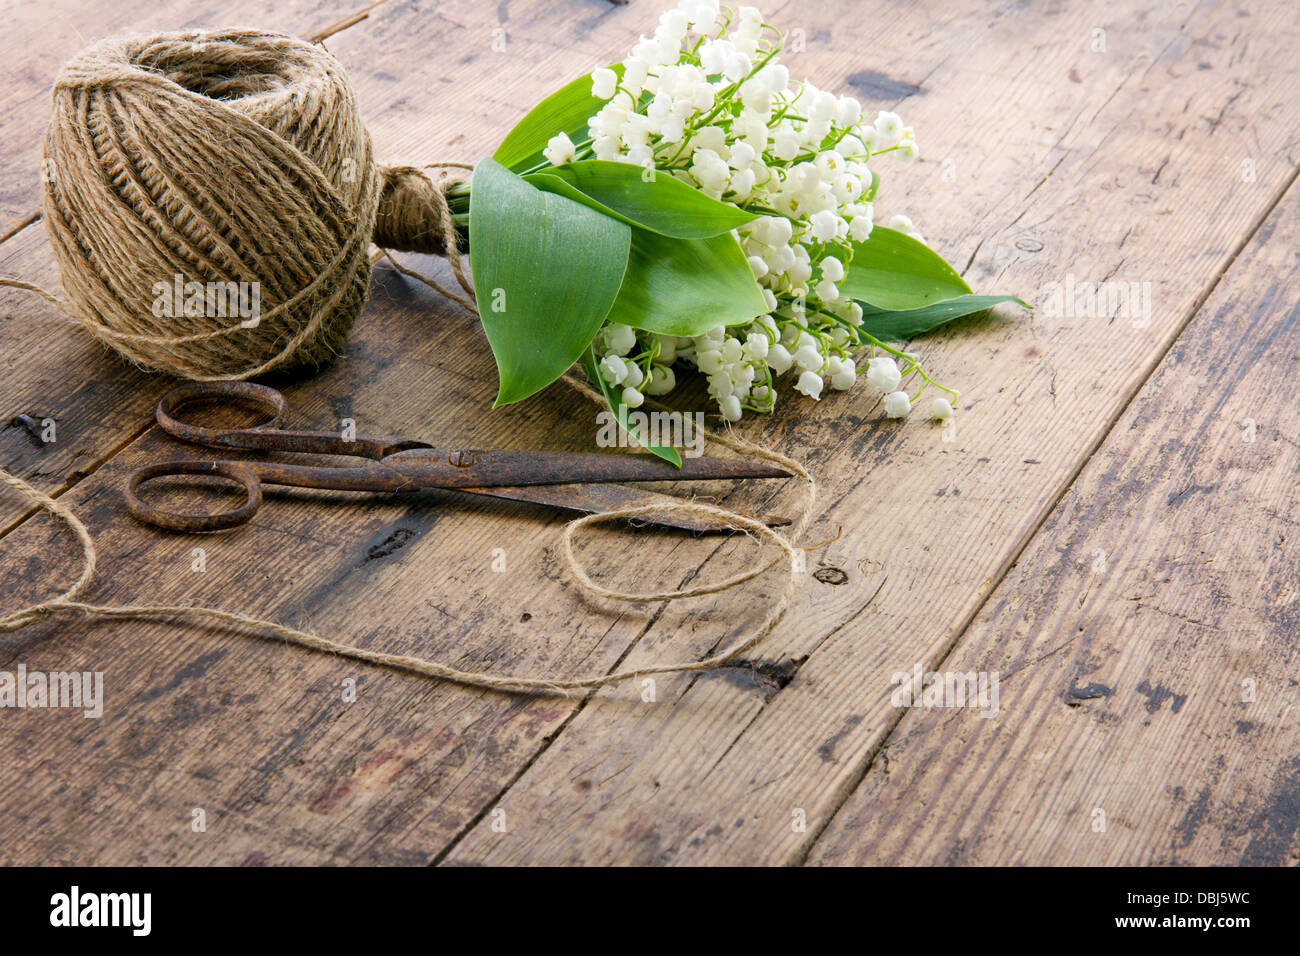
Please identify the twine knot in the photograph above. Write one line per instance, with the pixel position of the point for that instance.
(413, 214)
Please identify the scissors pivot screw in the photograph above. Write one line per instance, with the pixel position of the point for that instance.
(461, 459)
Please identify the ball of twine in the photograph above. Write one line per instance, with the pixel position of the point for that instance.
(230, 156)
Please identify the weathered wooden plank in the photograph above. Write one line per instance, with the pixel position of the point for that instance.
(39, 37)
(1140, 183)
(285, 771)
(257, 735)
(405, 774)
(93, 411)
(1145, 641)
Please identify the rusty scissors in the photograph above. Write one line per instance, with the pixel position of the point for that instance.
(580, 481)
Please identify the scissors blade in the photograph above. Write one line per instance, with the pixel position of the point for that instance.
(444, 468)
(597, 499)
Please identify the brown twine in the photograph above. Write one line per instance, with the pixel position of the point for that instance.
(212, 155)
(221, 157)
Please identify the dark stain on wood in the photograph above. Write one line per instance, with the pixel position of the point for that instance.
(341, 406)
(878, 86)
(768, 678)
(1157, 695)
(192, 671)
(832, 576)
(29, 425)
(1277, 824)
(1197, 811)
(1178, 496)
(827, 750)
(1076, 695)
(389, 544)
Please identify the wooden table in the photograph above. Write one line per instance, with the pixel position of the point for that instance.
(1110, 528)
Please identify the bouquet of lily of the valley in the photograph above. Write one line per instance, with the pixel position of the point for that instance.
(690, 207)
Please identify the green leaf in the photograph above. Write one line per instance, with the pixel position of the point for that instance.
(662, 204)
(891, 270)
(666, 452)
(546, 270)
(686, 286)
(564, 111)
(897, 326)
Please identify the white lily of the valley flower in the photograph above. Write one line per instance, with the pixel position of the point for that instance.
(743, 182)
(741, 156)
(845, 376)
(785, 144)
(559, 150)
(634, 376)
(897, 405)
(832, 269)
(603, 83)
(779, 359)
(673, 25)
(810, 384)
(662, 381)
(809, 357)
(619, 339)
(709, 361)
(883, 374)
(889, 127)
(702, 14)
(826, 291)
(860, 228)
(613, 369)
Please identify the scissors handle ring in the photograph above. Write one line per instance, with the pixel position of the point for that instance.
(176, 521)
(246, 393)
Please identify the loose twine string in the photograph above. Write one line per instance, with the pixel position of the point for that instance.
(69, 601)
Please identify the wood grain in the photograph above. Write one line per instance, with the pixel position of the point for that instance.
(928, 528)
(1145, 640)
(1125, 171)
(301, 768)
(259, 736)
